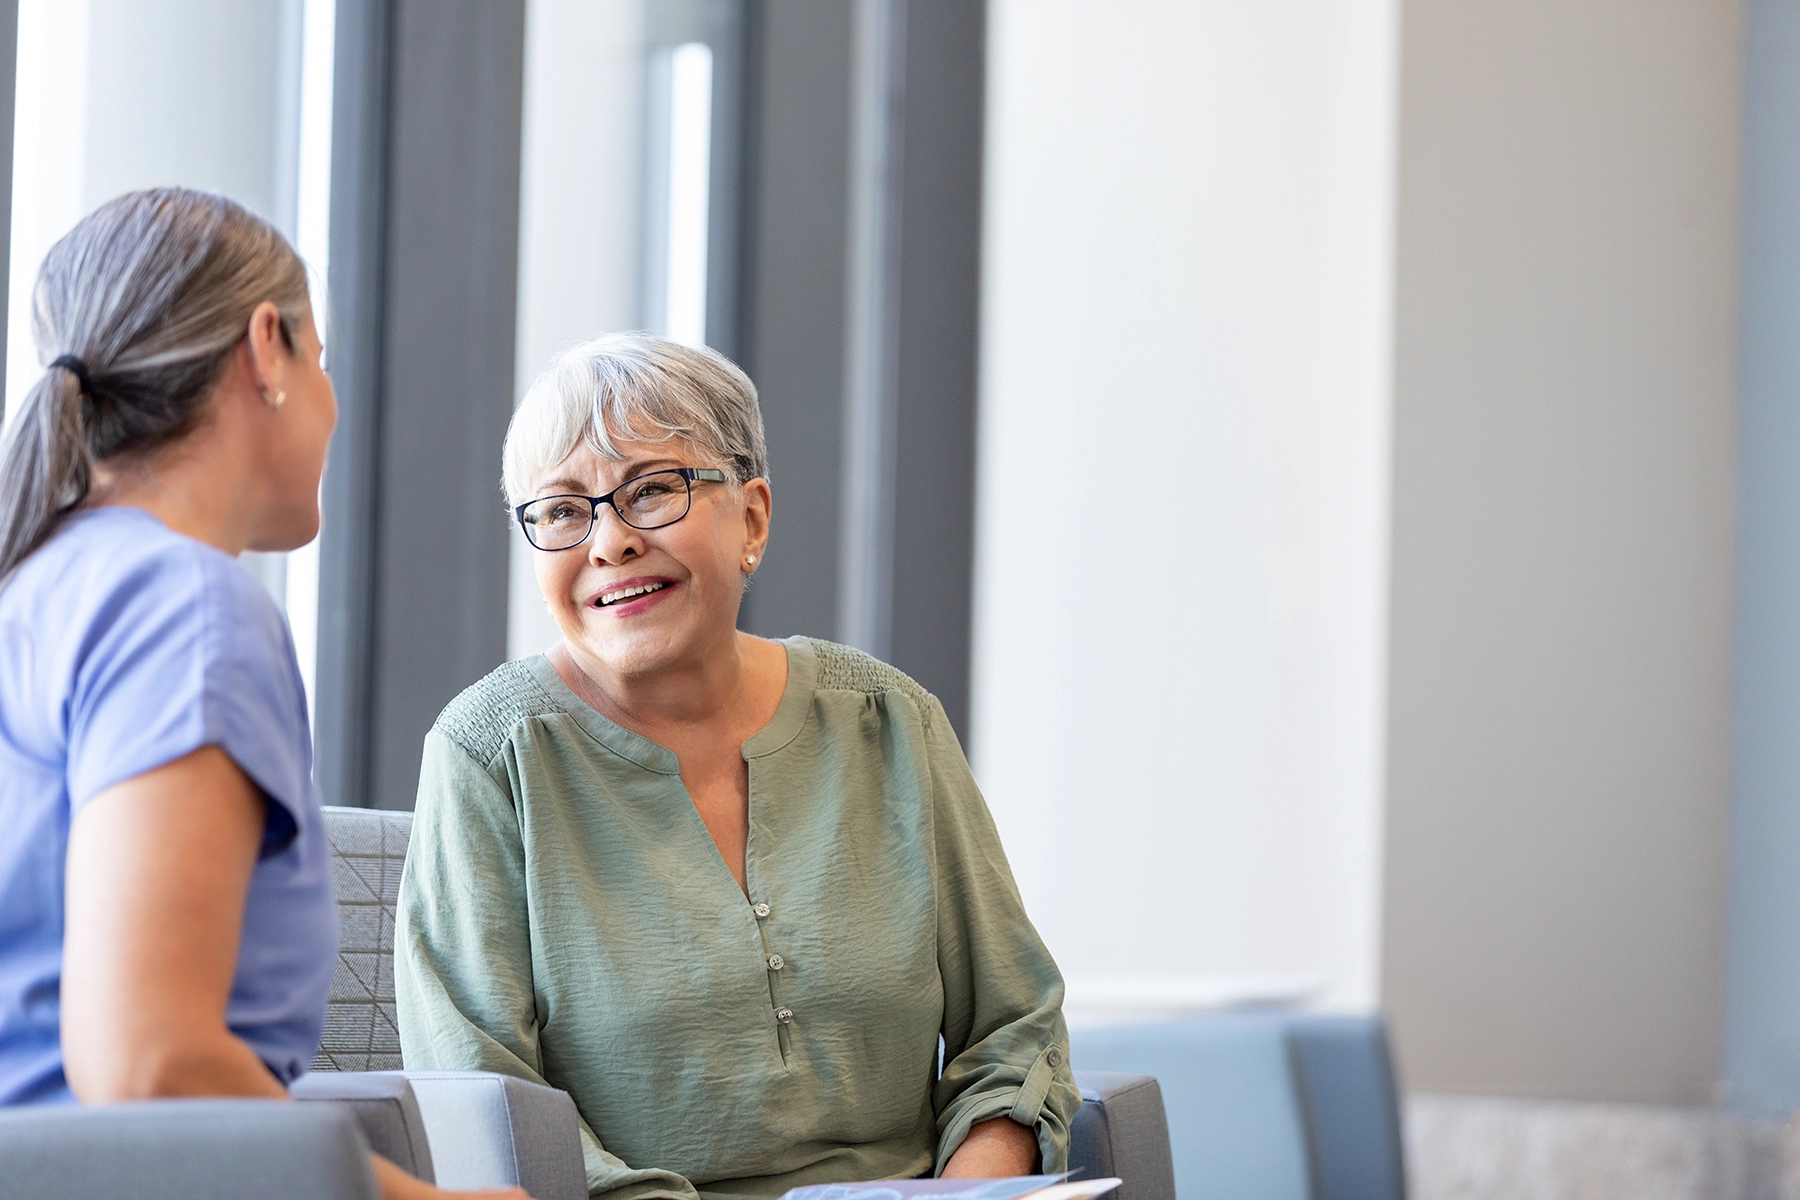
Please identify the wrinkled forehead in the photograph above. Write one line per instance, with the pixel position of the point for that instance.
(597, 466)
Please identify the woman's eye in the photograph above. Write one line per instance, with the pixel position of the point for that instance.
(563, 512)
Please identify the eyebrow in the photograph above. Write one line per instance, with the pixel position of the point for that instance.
(575, 487)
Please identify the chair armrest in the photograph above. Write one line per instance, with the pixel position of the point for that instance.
(383, 1104)
(489, 1130)
(185, 1150)
(1122, 1131)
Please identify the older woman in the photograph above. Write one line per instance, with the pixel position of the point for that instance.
(729, 893)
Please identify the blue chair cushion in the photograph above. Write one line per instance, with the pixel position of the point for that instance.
(1236, 1124)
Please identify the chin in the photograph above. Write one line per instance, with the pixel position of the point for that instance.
(290, 534)
(638, 652)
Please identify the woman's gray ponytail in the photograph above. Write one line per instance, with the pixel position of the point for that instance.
(151, 293)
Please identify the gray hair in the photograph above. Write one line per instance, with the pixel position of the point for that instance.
(633, 385)
(151, 293)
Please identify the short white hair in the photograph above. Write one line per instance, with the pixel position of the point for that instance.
(638, 387)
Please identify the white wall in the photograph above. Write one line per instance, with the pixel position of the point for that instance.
(1182, 531)
(1563, 499)
(114, 95)
(578, 228)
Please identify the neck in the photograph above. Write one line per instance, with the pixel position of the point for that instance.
(195, 487)
(696, 690)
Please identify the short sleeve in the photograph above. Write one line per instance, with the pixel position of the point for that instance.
(186, 650)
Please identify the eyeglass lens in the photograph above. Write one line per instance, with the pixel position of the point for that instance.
(647, 502)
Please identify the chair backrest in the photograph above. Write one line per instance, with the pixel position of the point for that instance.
(368, 849)
(185, 1150)
(1268, 1106)
(1352, 1104)
(1236, 1127)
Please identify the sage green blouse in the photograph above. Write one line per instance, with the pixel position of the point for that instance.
(566, 918)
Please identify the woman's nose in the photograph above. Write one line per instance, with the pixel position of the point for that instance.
(613, 541)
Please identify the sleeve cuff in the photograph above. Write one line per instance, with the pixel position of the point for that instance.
(1023, 1104)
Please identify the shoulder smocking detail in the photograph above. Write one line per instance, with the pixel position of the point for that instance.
(482, 716)
(847, 669)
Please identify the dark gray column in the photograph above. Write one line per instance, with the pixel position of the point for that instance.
(860, 322)
(424, 268)
(797, 146)
(936, 332)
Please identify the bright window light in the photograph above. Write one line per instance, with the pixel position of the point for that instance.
(313, 240)
(690, 175)
(49, 142)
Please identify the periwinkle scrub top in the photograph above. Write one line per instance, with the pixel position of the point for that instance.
(123, 647)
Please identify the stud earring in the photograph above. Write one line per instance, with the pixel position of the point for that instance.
(277, 400)
(751, 560)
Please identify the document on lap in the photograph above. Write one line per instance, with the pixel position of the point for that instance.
(1022, 1187)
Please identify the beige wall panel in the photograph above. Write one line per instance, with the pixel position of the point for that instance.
(1563, 523)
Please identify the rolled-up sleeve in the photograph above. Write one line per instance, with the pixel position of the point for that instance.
(463, 971)
(1006, 1046)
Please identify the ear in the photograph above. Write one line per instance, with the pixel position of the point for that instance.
(759, 503)
(268, 349)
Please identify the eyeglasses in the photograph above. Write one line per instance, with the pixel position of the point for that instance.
(646, 502)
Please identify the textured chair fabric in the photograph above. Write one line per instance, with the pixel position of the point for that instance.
(492, 1130)
(185, 1150)
(1120, 1131)
(1352, 1106)
(384, 1107)
(1236, 1125)
(368, 849)
(468, 1129)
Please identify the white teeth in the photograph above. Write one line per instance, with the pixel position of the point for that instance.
(628, 593)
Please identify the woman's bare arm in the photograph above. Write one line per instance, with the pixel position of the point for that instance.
(158, 870)
(994, 1149)
(159, 867)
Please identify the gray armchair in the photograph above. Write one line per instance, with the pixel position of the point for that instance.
(185, 1150)
(462, 1129)
(488, 1130)
(1121, 1132)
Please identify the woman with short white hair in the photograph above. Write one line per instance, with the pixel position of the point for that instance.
(727, 892)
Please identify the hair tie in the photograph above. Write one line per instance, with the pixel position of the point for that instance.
(77, 368)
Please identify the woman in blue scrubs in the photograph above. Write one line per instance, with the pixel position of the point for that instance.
(167, 922)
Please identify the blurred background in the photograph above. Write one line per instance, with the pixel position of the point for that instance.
(1337, 461)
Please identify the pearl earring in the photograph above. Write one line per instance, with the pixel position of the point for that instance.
(277, 400)
(751, 560)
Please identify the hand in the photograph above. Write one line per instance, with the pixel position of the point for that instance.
(994, 1149)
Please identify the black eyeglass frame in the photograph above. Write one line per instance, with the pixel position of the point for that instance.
(691, 474)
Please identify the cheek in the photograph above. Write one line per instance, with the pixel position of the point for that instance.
(555, 572)
(712, 560)
(317, 419)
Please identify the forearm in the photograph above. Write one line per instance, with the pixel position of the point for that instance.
(994, 1149)
(147, 1067)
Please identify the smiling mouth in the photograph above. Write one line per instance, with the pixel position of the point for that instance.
(630, 593)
